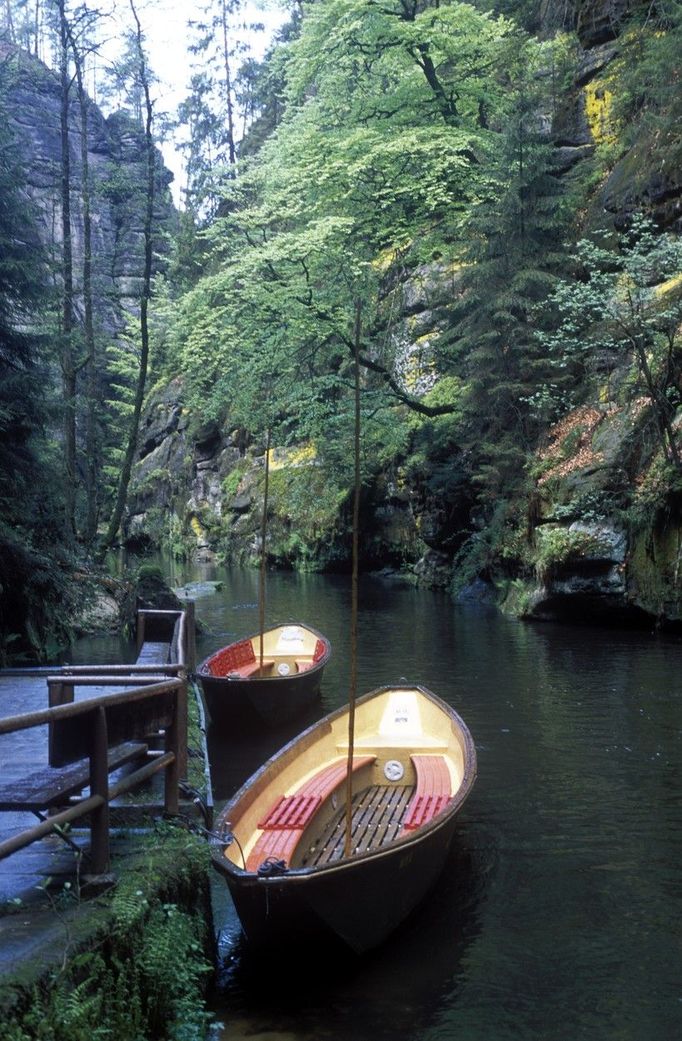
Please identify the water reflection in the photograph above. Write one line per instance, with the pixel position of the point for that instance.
(338, 996)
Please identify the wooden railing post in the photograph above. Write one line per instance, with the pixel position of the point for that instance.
(99, 785)
(60, 692)
(182, 725)
(177, 744)
(140, 634)
(190, 636)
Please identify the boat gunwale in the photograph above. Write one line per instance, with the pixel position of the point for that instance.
(402, 842)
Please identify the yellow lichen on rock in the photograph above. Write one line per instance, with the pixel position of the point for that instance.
(599, 112)
(282, 458)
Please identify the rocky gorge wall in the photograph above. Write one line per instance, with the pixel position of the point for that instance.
(604, 537)
(117, 168)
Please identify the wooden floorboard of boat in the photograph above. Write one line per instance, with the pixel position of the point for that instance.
(378, 812)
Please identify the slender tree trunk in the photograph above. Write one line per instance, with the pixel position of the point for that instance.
(124, 479)
(9, 23)
(92, 447)
(37, 27)
(68, 367)
(228, 86)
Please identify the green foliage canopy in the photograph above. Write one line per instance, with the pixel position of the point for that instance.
(384, 144)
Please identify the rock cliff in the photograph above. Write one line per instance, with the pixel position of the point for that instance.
(603, 540)
(116, 161)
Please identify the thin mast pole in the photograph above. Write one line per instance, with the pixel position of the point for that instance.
(354, 593)
(263, 531)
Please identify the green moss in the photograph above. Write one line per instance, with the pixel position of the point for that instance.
(305, 507)
(232, 481)
(655, 572)
(558, 546)
(517, 598)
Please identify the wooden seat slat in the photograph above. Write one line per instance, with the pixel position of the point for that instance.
(433, 791)
(291, 811)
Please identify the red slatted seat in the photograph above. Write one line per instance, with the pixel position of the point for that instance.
(433, 791)
(236, 656)
(291, 811)
(291, 814)
(302, 664)
(239, 659)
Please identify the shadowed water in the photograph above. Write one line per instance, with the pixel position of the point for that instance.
(558, 914)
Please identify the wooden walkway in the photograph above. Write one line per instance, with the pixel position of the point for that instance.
(33, 880)
(22, 874)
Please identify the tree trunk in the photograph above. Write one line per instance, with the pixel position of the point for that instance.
(124, 479)
(68, 368)
(228, 88)
(92, 446)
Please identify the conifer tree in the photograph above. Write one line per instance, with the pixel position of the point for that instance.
(516, 250)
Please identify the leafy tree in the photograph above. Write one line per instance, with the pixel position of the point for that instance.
(217, 102)
(378, 152)
(79, 36)
(390, 124)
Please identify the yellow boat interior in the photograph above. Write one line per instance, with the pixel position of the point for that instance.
(287, 650)
(409, 756)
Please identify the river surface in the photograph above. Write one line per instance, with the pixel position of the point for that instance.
(559, 913)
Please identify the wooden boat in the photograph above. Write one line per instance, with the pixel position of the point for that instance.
(237, 686)
(280, 841)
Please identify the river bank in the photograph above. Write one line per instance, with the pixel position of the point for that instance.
(134, 960)
(125, 954)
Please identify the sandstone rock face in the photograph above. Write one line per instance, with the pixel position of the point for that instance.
(599, 21)
(643, 178)
(592, 563)
(116, 160)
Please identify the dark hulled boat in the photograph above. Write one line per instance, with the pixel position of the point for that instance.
(238, 685)
(281, 840)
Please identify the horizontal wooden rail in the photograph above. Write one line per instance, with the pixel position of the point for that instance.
(168, 669)
(106, 679)
(48, 715)
(47, 827)
(95, 735)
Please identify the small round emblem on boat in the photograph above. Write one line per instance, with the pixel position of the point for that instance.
(283, 668)
(393, 770)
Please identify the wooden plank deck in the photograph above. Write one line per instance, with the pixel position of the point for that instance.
(154, 653)
(378, 812)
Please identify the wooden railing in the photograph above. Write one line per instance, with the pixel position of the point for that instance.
(176, 626)
(90, 738)
(93, 728)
